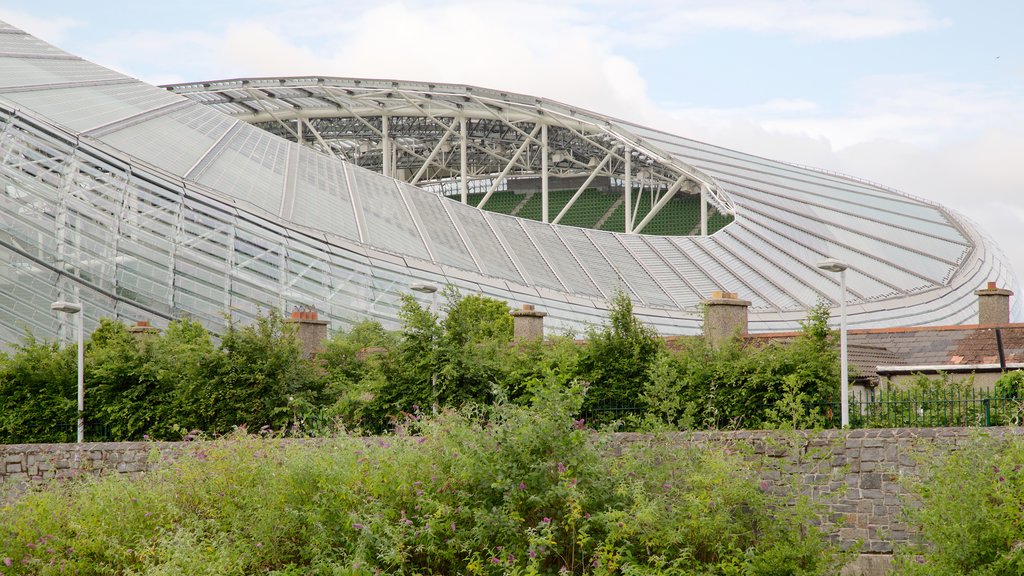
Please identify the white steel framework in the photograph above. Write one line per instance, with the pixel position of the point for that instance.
(141, 203)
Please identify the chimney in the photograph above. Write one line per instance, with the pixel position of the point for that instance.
(141, 329)
(310, 330)
(527, 323)
(993, 304)
(725, 316)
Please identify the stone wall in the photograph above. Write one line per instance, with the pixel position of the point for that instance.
(857, 476)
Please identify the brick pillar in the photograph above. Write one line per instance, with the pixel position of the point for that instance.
(993, 304)
(527, 323)
(725, 316)
(310, 330)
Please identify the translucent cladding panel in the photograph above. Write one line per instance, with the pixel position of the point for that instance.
(445, 242)
(322, 198)
(87, 107)
(626, 264)
(249, 166)
(17, 72)
(534, 266)
(559, 255)
(388, 222)
(874, 209)
(879, 281)
(26, 291)
(25, 45)
(307, 272)
(173, 142)
(767, 275)
(651, 251)
(677, 254)
(490, 253)
(721, 162)
(259, 254)
(33, 154)
(708, 254)
(608, 279)
(929, 267)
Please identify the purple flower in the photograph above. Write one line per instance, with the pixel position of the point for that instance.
(533, 553)
(8, 562)
(561, 468)
(453, 526)
(546, 520)
(259, 544)
(495, 560)
(579, 424)
(357, 526)
(522, 485)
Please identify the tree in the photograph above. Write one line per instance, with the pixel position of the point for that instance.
(618, 355)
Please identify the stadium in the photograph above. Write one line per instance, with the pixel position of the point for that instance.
(225, 199)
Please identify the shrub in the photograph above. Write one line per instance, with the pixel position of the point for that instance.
(505, 490)
(969, 513)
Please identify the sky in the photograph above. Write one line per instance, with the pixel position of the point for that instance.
(923, 96)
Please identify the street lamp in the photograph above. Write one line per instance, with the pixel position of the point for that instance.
(76, 308)
(833, 265)
(427, 288)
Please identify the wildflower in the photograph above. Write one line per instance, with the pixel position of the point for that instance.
(546, 520)
(533, 553)
(495, 560)
(8, 562)
(579, 424)
(259, 544)
(764, 485)
(522, 485)
(357, 526)
(453, 526)
(561, 468)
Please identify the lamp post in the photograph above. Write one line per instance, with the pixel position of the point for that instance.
(427, 288)
(76, 309)
(833, 265)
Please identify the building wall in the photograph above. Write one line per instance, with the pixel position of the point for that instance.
(857, 476)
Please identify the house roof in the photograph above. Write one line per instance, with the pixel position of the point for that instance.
(973, 347)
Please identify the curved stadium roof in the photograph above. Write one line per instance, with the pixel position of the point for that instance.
(269, 193)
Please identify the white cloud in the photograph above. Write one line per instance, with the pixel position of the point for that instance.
(806, 19)
(53, 29)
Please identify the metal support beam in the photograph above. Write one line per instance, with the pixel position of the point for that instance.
(544, 173)
(463, 161)
(627, 190)
(430, 158)
(656, 208)
(385, 147)
(508, 167)
(576, 196)
(703, 211)
(316, 134)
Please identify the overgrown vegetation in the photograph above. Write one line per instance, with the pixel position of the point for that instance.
(505, 489)
(163, 386)
(969, 513)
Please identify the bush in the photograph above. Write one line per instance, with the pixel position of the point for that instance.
(969, 513)
(506, 490)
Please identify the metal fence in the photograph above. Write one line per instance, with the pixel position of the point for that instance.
(921, 408)
(885, 409)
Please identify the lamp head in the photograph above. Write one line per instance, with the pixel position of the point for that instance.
(69, 307)
(833, 265)
(423, 287)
